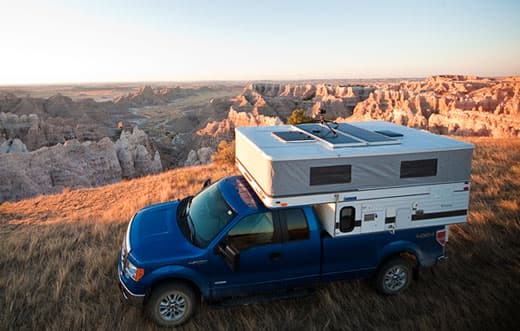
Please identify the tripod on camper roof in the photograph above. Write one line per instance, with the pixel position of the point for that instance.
(325, 122)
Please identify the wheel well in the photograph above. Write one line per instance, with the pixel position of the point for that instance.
(410, 256)
(185, 281)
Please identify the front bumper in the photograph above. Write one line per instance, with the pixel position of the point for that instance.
(131, 298)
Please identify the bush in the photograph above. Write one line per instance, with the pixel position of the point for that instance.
(225, 153)
(298, 117)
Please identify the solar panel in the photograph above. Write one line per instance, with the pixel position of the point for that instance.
(324, 133)
(291, 136)
(389, 133)
(368, 136)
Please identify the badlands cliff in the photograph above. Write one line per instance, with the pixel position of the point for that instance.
(458, 105)
(74, 164)
(446, 104)
(281, 99)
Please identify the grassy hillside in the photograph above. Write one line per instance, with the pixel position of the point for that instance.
(58, 258)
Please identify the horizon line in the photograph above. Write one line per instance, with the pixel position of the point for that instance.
(64, 83)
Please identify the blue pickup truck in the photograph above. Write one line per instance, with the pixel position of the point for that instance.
(224, 243)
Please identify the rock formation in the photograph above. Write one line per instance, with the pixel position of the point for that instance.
(207, 139)
(225, 128)
(281, 99)
(35, 132)
(147, 96)
(201, 156)
(459, 105)
(75, 164)
(134, 151)
(13, 146)
(447, 104)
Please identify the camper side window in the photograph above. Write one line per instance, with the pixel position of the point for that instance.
(340, 174)
(419, 168)
(347, 219)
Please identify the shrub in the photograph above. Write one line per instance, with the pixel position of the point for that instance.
(225, 153)
(298, 117)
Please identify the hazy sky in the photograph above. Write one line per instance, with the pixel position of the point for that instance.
(95, 41)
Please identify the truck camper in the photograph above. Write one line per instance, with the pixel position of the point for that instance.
(315, 203)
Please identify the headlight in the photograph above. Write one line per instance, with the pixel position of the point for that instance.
(133, 272)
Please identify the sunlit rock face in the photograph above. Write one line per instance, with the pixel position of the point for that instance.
(459, 105)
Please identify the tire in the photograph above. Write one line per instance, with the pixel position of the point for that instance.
(171, 304)
(394, 276)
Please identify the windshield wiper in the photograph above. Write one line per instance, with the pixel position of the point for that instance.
(183, 208)
(188, 205)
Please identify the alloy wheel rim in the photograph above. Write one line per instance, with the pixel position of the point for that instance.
(172, 306)
(395, 278)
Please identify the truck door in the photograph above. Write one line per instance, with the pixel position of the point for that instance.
(301, 247)
(256, 239)
(351, 252)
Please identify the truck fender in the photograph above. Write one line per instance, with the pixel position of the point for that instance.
(188, 275)
(400, 247)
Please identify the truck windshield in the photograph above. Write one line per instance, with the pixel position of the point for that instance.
(208, 213)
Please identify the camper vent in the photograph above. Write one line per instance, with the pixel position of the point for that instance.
(389, 133)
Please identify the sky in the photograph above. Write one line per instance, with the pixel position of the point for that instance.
(45, 42)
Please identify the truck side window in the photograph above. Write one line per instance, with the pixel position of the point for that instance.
(347, 219)
(252, 230)
(297, 227)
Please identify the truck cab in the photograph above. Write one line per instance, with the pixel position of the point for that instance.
(224, 242)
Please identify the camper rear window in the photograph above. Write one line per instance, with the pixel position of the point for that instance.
(419, 168)
(330, 175)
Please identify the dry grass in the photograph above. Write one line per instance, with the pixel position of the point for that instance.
(58, 263)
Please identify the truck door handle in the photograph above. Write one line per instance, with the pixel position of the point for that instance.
(275, 256)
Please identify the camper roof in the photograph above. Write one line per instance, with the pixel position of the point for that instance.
(370, 138)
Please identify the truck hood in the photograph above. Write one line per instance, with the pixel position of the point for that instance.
(155, 237)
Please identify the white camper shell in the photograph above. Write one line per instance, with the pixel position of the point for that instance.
(382, 175)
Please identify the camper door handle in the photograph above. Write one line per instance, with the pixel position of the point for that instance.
(392, 229)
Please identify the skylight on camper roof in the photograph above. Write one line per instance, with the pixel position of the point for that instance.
(292, 136)
(372, 138)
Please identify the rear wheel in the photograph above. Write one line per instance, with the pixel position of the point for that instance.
(394, 276)
(171, 304)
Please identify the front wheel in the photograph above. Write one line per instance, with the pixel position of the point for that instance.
(394, 276)
(171, 304)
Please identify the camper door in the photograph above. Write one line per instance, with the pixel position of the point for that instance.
(348, 218)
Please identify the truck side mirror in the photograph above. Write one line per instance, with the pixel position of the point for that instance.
(207, 183)
(230, 254)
